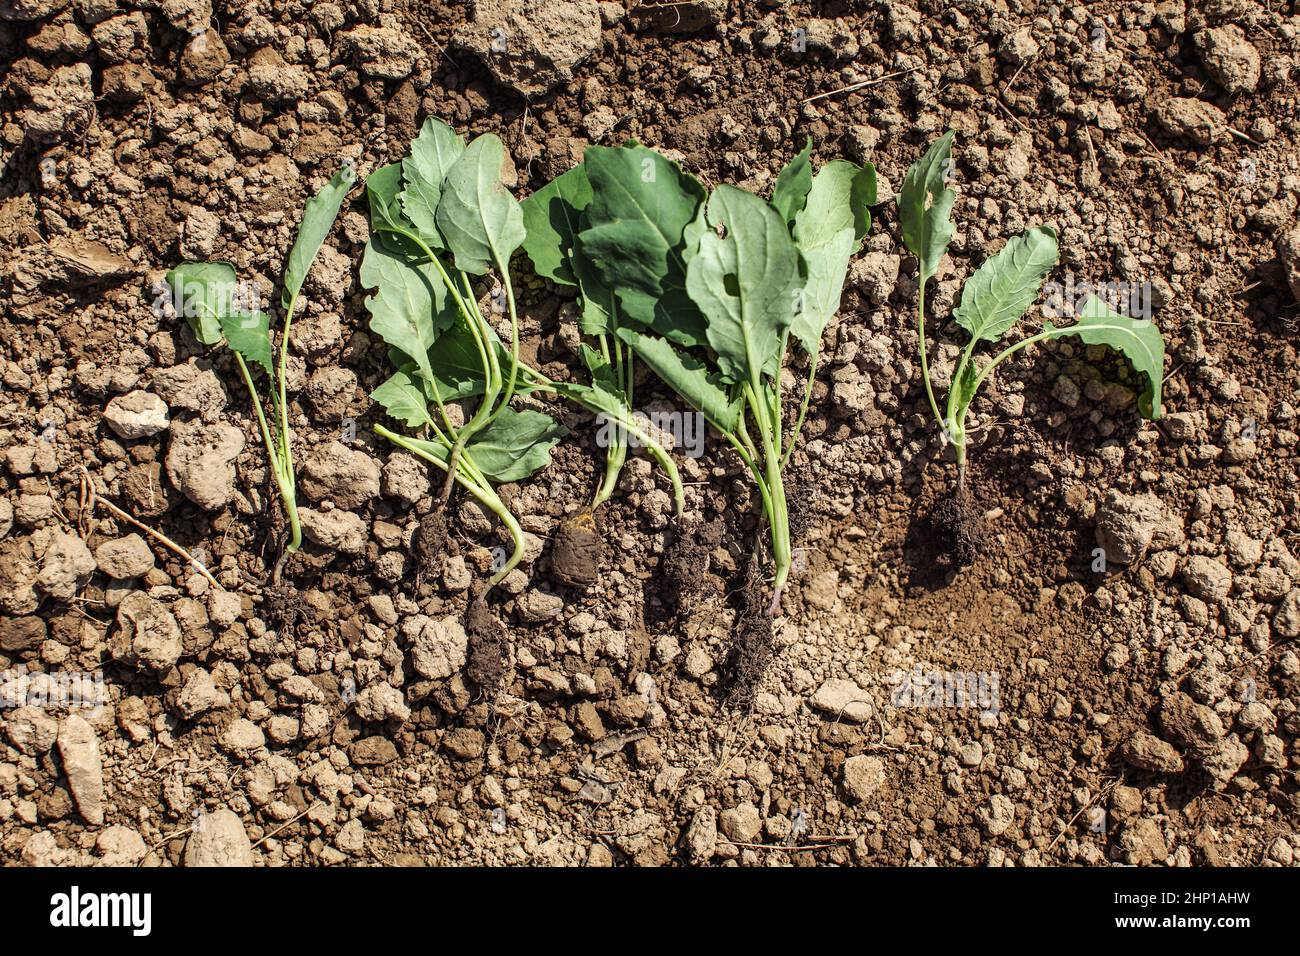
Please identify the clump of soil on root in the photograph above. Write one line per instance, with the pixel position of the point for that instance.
(751, 643)
(684, 569)
(283, 608)
(577, 551)
(798, 507)
(488, 647)
(958, 529)
(430, 542)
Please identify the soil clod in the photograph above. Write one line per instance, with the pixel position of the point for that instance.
(488, 647)
(684, 569)
(958, 528)
(751, 643)
(284, 608)
(577, 551)
(430, 542)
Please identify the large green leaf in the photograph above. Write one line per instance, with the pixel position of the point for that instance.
(553, 217)
(686, 375)
(1000, 291)
(480, 221)
(403, 400)
(746, 283)
(433, 153)
(317, 219)
(643, 226)
(203, 292)
(1137, 339)
(249, 334)
(829, 231)
(925, 206)
(793, 183)
(516, 444)
(410, 305)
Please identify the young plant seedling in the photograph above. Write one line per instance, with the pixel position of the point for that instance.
(554, 216)
(992, 301)
(709, 289)
(208, 295)
(439, 217)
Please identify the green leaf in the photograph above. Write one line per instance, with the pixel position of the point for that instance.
(553, 218)
(1000, 291)
(433, 153)
(690, 378)
(249, 334)
(515, 445)
(602, 371)
(829, 231)
(403, 400)
(643, 224)
(456, 363)
(745, 283)
(386, 216)
(410, 305)
(203, 292)
(1137, 339)
(792, 184)
(480, 221)
(317, 219)
(925, 206)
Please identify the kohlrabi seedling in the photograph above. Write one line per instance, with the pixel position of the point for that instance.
(992, 301)
(555, 215)
(707, 290)
(209, 296)
(439, 218)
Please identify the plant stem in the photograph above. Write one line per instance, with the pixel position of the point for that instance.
(925, 362)
(477, 486)
(280, 469)
(803, 410)
(774, 500)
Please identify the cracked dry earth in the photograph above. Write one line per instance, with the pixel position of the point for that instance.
(1142, 708)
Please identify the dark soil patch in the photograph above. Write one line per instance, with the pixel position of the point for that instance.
(284, 608)
(488, 647)
(751, 642)
(430, 542)
(684, 577)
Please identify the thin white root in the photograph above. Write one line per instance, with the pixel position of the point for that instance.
(93, 497)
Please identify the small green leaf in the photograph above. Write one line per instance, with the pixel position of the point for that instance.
(828, 231)
(745, 283)
(793, 183)
(480, 221)
(410, 305)
(203, 293)
(433, 153)
(1006, 285)
(553, 218)
(515, 445)
(386, 217)
(403, 400)
(1138, 340)
(317, 219)
(643, 225)
(249, 334)
(925, 206)
(686, 375)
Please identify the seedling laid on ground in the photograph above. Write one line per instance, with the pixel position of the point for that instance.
(707, 290)
(992, 301)
(438, 218)
(208, 295)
